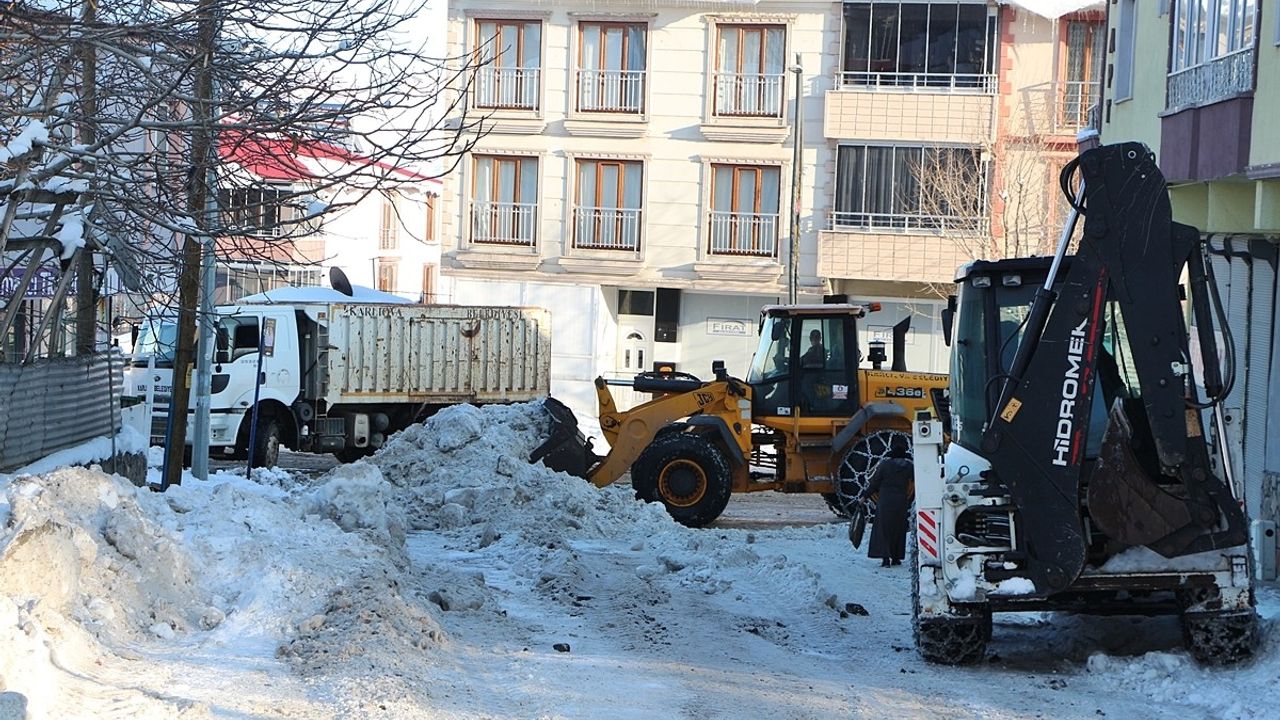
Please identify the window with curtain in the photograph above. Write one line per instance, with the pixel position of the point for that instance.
(504, 199)
(388, 275)
(1083, 72)
(611, 67)
(389, 228)
(512, 76)
(608, 205)
(942, 45)
(908, 188)
(750, 70)
(744, 210)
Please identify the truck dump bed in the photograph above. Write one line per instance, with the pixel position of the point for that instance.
(435, 354)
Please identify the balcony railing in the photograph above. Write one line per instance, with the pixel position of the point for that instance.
(750, 234)
(597, 228)
(962, 82)
(904, 222)
(1078, 97)
(508, 88)
(504, 223)
(748, 95)
(611, 91)
(1209, 82)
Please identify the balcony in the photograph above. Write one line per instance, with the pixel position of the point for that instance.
(898, 254)
(1076, 105)
(611, 91)
(748, 95)
(744, 234)
(950, 82)
(507, 88)
(499, 223)
(596, 228)
(1219, 79)
(931, 114)
(906, 223)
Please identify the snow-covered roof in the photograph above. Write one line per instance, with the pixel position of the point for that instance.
(301, 295)
(1054, 9)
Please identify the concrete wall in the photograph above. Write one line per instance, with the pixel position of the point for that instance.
(1266, 97)
(1138, 118)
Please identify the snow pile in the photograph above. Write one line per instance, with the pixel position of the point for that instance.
(128, 440)
(32, 133)
(1143, 559)
(357, 499)
(466, 470)
(1014, 586)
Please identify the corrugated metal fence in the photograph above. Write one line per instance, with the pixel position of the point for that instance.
(57, 403)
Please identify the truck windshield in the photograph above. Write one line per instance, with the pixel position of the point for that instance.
(158, 340)
(773, 351)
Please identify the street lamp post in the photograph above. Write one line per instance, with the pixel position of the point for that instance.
(797, 173)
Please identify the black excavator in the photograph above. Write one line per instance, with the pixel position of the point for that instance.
(1081, 475)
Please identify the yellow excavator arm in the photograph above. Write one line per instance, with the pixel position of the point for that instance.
(630, 432)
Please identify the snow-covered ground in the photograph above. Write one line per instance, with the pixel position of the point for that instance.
(448, 578)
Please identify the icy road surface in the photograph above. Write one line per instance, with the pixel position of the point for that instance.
(447, 578)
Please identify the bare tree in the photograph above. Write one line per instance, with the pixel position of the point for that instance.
(120, 122)
(1010, 187)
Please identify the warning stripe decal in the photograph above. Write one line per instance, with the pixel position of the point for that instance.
(927, 532)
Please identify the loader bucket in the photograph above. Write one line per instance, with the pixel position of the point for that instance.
(565, 449)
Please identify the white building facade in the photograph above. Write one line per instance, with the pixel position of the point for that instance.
(636, 178)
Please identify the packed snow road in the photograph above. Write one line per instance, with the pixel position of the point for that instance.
(447, 578)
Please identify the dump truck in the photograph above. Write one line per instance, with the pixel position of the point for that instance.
(323, 372)
(1085, 471)
(810, 417)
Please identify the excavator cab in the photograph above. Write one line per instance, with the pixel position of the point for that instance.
(806, 364)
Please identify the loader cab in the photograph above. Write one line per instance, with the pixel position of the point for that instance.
(992, 302)
(807, 361)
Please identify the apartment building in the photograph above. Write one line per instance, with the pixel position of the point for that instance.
(387, 240)
(1199, 83)
(947, 122)
(637, 175)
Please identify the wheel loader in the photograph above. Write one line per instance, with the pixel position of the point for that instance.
(1085, 472)
(807, 419)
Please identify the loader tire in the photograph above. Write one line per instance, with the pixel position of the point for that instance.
(946, 641)
(1221, 638)
(836, 505)
(688, 473)
(858, 464)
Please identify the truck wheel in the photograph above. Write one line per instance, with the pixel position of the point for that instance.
(951, 640)
(1220, 638)
(266, 449)
(688, 474)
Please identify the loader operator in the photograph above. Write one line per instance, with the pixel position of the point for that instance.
(816, 355)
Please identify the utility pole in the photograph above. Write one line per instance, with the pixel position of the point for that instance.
(206, 345)
(797, 174)
(202, 154)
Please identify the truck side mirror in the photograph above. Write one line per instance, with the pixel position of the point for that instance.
(221, 356)
(779, 331)
(948, 317)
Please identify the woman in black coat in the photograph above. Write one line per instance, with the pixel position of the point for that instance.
(892, 480)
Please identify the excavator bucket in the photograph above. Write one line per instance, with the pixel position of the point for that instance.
(565, 449)
(1129, 506)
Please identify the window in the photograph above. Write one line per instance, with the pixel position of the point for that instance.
(237, 337)
(389, 228)
(744, 210)
(1211, 52)
(256, 211)
(387, 275)
(512, 78)
(233, 281)
(611, 64)
(936, 45)
(749, 70)
(1085, 49)
(504, 200)
(635, 302)
(606, 214)
(1126, 36)
(880, 188)
(428, 283)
